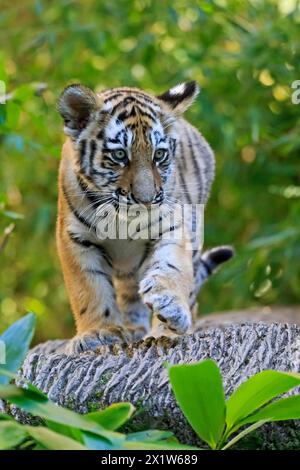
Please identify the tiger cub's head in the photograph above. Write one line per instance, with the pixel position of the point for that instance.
(124, 138)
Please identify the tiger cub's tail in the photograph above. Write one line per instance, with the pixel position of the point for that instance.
(206, 263)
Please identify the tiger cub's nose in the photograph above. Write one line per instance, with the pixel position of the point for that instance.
(149, 199)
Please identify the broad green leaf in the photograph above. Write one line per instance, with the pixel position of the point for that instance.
(199, 392)
(39, 447)
(7, 374)
(37, 404)
(257, 391)
(29, 444)
(113, 417)
(149, 436)
(29, 386)
(132, 445)
(5, 417)
(94, 442)
(17, 339)
(11, 434)
(280, 410)
(52, 440)
(68, 431)
(244, 433)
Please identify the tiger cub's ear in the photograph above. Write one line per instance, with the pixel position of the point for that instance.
(179, 98)
(76, 105)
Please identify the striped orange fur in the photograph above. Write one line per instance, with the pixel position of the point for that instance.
(127, 147)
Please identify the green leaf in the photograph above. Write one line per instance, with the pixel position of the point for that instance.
(132, 445)
(199, 392)
(8, 374)
(113, 417)
(17, 339)
(13, 215)
(244, 433)
(149, 436)
(37, 404)
(275, 238)
(52, 440)
(39, 447)
(11, 434)
(23, 92)
(68, 431)
(257, 391)
(280, 410)
(94, 442)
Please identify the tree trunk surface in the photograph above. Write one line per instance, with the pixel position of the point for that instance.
(137, 373)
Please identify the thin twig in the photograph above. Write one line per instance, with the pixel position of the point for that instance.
(6, 234)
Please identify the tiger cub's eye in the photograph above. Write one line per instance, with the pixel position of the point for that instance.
(119, 154)
(159, 155)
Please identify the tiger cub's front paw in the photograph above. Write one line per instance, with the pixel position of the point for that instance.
(93, 339)
(167, 306)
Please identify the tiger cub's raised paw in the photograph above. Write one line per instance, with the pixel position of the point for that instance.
(167, 306)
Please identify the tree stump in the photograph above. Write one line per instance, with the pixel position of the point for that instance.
(137, 373)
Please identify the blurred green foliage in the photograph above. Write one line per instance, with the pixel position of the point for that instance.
(244, 54)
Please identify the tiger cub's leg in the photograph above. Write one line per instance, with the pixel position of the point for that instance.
(136, 315)
(88, 280)
(166, 284)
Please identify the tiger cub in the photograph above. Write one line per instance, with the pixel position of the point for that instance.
(130, 155)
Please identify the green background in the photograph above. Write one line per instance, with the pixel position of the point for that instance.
(245, 56)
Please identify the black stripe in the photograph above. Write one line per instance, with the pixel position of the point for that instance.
(112, 141)
(87, 244)
(75, 212)
(171, 229)
(93, 148)
(207, 266)
(147, 251)
(181, 156)
(147, 290)
(106, 313)
(173, 146)
(137, 106)
(105, 256)
(123, 115)
(98, 272)
(121, 103)
(145, 114)
(133, 93)
(82, 152)
(105, 174)
(194, 162)
(121, 132)
(81, 241)
(101, 134)
(186, 194)
(173, 267)
(94, 197)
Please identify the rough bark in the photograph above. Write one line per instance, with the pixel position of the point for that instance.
(137, 373)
